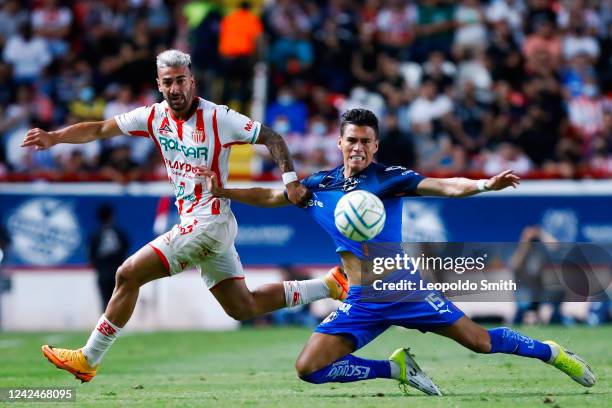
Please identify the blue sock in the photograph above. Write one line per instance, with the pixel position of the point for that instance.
(348, 369)
(506, 340)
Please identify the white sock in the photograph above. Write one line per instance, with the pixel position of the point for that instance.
(100, 341)
(395, 370)
(554, 352)
(305, 291)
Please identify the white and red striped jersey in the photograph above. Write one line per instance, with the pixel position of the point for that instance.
(203, 139)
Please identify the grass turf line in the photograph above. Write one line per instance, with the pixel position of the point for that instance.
(254, 368)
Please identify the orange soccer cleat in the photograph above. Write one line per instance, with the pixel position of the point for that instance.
(337, 282)
(73, 361)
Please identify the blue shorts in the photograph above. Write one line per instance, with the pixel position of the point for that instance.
(362, 321)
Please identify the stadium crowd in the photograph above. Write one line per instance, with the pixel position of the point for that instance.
(466, 86)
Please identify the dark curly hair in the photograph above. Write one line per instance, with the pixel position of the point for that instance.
(359, 117)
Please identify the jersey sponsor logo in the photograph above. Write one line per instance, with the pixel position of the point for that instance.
(344, 369)
(315, 203)
(181, 166)
(106, 329)
(165, 128)
(188, 151)
(391, 168)
(249, 126)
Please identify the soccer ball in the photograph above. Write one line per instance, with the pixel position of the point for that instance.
(360, 215)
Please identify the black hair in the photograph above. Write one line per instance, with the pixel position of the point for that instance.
(359, 117)
(105, 213)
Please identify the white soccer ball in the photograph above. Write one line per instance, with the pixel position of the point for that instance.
(360, 215)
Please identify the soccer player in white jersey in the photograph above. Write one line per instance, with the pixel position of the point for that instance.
(189, 132)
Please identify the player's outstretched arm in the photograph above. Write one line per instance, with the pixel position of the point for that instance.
(464, 187)
(259, 197)
(79, 133)
(297, 193)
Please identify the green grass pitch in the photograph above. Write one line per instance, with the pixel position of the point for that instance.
(254, 368)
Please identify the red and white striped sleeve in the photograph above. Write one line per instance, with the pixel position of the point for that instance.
(235, 128)
(135, 122)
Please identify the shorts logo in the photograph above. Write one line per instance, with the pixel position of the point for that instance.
(332, 316)
(106, 329)
(344, 308)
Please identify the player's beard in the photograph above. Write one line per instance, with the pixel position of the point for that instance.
(180, 103)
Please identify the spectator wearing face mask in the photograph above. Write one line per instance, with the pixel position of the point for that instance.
(293, 110)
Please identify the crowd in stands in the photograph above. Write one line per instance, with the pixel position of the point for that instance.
(460, 87)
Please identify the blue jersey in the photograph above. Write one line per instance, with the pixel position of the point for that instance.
(389, 183)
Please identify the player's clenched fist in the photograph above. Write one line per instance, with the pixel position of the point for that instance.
(38, 138)
(298, 194)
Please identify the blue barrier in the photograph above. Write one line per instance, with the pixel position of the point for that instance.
(53, 230)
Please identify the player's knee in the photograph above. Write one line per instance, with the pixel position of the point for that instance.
(480, 342)
(305, 366)
(126, 274)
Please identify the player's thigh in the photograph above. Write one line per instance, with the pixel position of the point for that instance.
(321, 350)
(467, 333)
(142, 267)
(234, 296)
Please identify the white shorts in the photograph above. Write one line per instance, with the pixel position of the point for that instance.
(204, 243)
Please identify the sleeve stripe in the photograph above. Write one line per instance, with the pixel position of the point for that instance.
(254, 139)
(141, 133)
(234, 143)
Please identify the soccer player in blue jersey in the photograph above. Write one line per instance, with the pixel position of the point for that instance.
(327, 356)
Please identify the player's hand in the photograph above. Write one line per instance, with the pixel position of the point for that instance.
(210, 179)
(298, 194)
(503, 180)
(38, 138)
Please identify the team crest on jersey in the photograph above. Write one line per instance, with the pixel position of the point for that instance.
(165, 128)
(198, 136)
(350, 184)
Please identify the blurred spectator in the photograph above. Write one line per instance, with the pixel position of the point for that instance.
(435, 27)
(466, 122)
(393, 85)
(286, 114)
(29, 55)
(503, 49)
(396, 27)
(396, 148)
(439, 71)
(239, 33)
(364, 64)
(12, 16)
(108, 247)
(528, 263)
(428, 107)
(586, 112)
(333, 53)
(119, 167)
(507, 156)
(532, 73)
(53, 23)
(471, 32)
(545, 41)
